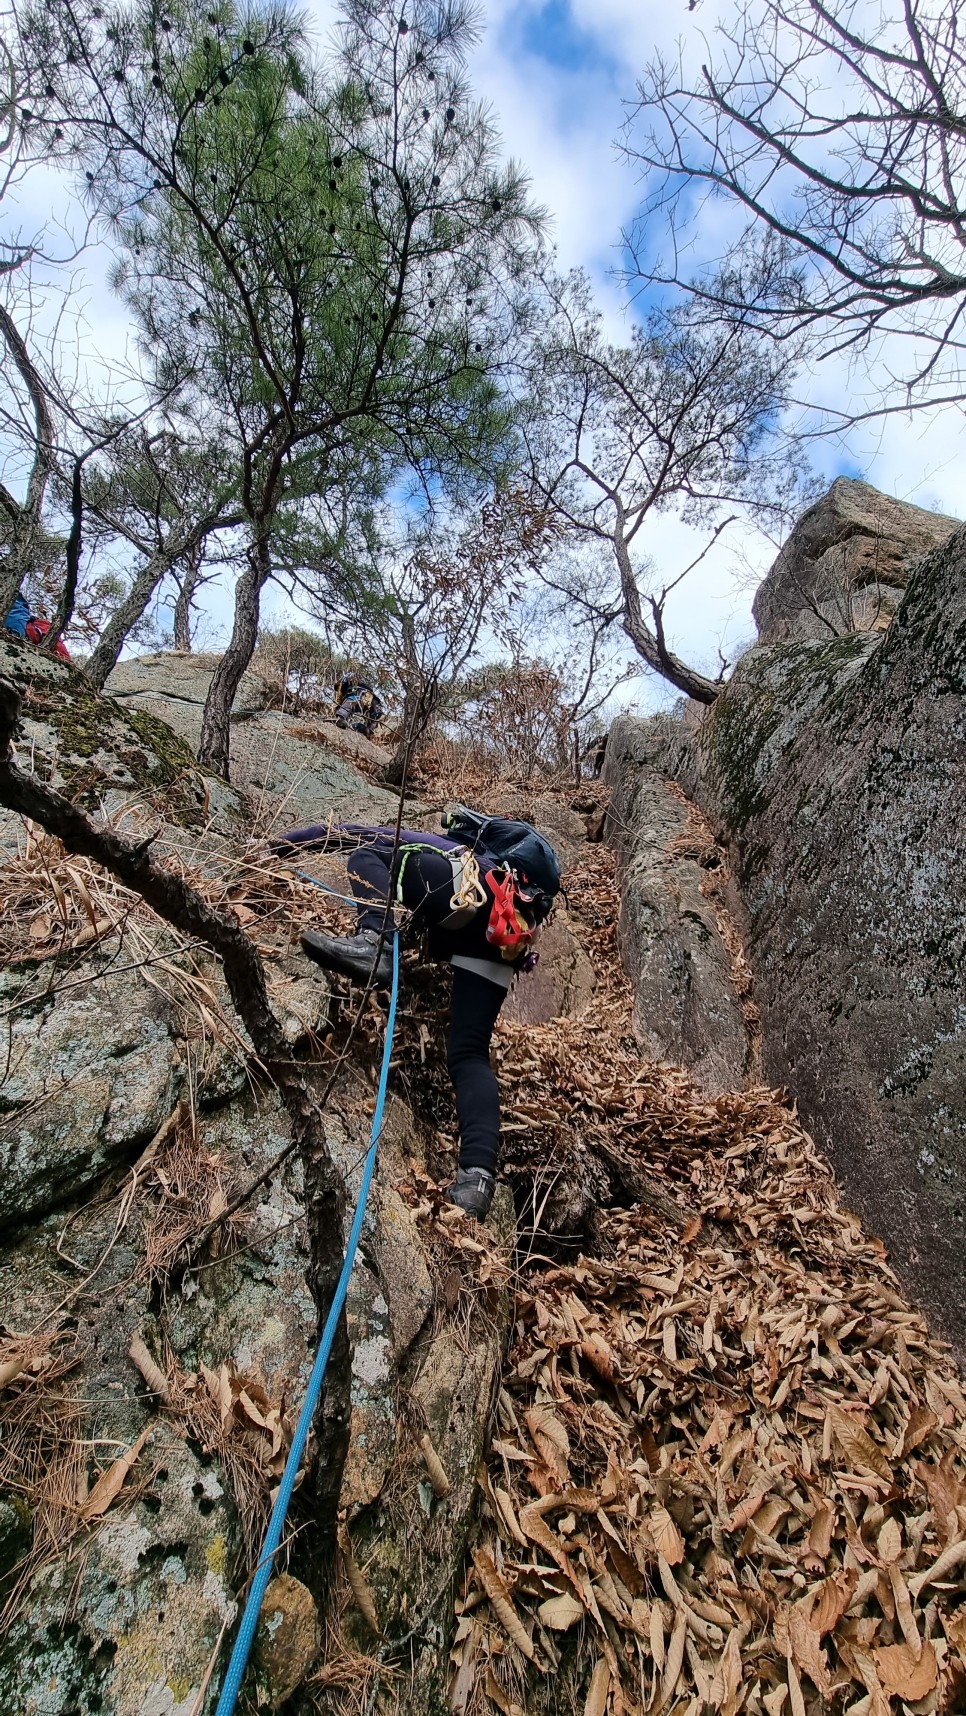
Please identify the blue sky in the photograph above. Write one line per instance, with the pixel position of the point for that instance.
(558, 76)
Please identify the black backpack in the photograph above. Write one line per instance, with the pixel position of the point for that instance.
(515, 845)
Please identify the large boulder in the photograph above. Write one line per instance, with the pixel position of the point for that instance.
(839, 770)
(833, 769)
(105, 756)
(846, 564)
(293, 766)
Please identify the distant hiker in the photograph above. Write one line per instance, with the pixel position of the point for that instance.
(356, 705)
(478, 893)
(32, 627)
(596, 752)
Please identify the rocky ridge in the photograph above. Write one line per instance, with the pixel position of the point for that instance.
(130, 1112)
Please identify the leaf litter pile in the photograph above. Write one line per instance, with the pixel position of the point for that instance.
(728, 1469)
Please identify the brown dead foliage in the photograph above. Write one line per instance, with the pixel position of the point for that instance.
(728, 1468)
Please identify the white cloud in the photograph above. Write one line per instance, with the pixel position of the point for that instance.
(561, 122)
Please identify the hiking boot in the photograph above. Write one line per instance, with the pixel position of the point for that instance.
(358, 956)
(472, 1190)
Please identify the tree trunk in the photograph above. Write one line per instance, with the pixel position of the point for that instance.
(214, 747)
(182, 607)
(396, 768)
(11, 578)
(649, 643)
(27, 521)
(14, 568)
(111, 641)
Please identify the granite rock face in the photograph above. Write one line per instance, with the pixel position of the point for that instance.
(687, 1009)
(839, 772)
(291, 767)
(122, 1123)
(846, 564)
(834, 770)
(107, 756)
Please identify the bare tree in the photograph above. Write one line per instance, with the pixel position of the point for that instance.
(457, 586)
(681, 418)
(840, 131)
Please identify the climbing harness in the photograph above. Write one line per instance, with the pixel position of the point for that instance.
(273, 1535)
(468, 893)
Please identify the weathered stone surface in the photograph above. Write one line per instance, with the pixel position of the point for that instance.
(411, 1542)
(295, 770)
(686, 1007)
(129, 1627)
(850, 842)
(562, 984)
(845, 565)
(104, 755)
(287, 1642)
(90, 1076)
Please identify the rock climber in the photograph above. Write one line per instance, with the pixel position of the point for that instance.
(477, 894)
(356, 705)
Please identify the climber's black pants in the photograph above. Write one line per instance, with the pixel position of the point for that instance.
(427, 886)
(427, 891)
(476, 1003)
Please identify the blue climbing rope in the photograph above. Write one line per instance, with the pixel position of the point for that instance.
(273, 1535)
(349, 899)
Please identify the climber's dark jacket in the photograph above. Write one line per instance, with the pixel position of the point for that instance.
(481, 977)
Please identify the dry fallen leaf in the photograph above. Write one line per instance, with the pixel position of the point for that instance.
(152, 1373)
(857, 1445)
(890, 1541)
(599, 1687)
(498, 1592)
(550, 1440)
(359, 1586)
(667, 1538)
(561, 1613)
(11, 1368)
(922, 1422)
(820, 1530)
(803, 1642)
(902, 1675)
(111, 1482)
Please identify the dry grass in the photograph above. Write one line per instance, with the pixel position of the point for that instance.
(43, 1459)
